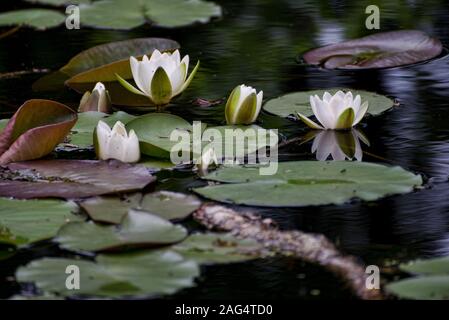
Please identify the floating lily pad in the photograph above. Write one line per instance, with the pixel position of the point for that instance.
(113, 276)
(432, 281)
(434, 287)
(35, 130)
(165, 204)
(38, 18)
(82, 133)
(71, 178)
(125, 14)
(305, 183)
(211, 248)
(294, 102)
(137, 229)
(118, 14)
(26, 221)
(154, 132)
(380, 50)
(250, 144)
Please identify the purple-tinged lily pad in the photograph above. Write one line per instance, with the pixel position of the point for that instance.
(71, 178)
(380, 50)
(35, 130)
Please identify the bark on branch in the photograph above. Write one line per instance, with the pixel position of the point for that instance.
(313, 248)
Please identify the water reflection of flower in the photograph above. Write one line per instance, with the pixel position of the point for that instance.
(339, 145)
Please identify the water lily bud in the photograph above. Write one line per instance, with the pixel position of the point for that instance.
(160, 77)
(116, 143)
(243, 105)
(98, 100)
(207, 159)
(338, 111)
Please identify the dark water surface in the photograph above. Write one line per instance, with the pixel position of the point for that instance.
(258, 43)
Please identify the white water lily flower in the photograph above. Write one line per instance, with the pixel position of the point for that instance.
(98, 100)
(160, 77)
(339, 145)
(116, 143)
(243, 105)
(207, 159)
(340, 111)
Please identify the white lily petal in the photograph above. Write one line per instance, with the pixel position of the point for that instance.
(176, 57)
(327, 97)
(362, 111)
(132, 150)
(186, 61)
(119, 128)
(356, 104)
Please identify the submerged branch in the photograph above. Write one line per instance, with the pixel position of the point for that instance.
(309, 247)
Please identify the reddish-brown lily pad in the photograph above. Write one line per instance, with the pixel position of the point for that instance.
(35, 130)
(380, 50)
(71, 178)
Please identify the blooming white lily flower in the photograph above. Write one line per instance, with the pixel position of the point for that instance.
(243, 105)
(160, 77)
(339, 145)
(116, 143)
(340, 111)
(207, 159)
(99, 100)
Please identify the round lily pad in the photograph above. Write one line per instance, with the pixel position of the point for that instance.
(165, 204)
(26, 221)
(113, 276)
(305, 183)
(137, 229)
(294, 102)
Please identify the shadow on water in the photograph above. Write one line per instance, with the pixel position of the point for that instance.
(258, 42)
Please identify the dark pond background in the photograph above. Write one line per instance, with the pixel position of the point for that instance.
(259, 43)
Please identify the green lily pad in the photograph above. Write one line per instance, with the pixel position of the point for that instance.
(295, 102)
(154, 132)
(251, 142)
(137, 229)
(82, 133)
(305, 183)
(434, 287)
(26, 221)
(431, 282)
(212, 248)
(125, 14)
(118, 14)
(113, 276)
(37, 18)
(165, 204)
